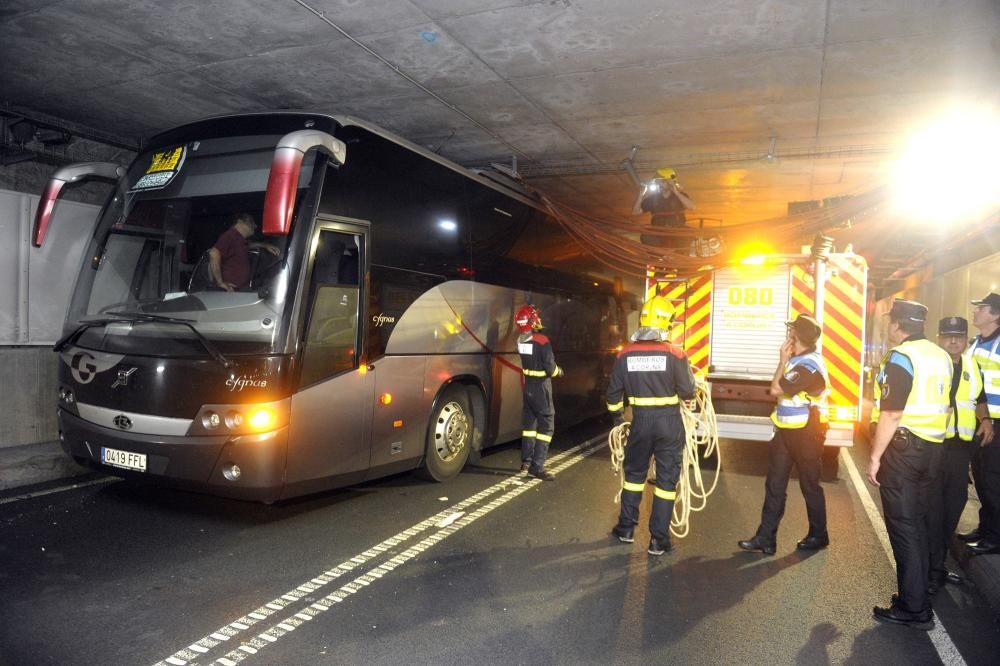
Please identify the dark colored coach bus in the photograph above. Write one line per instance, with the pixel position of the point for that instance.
(375, 337)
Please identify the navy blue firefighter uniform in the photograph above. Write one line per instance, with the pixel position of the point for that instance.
(653, 377)
(538, 414)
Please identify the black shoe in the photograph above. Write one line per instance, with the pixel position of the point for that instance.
(755, 544)
(657, 547)
(524, 467)
(813, 543)
(624, 534)
(984, 547)
(542, 474)
(953, 578)
(970, 536)
(896, 615)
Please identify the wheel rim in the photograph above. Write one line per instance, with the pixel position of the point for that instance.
(451, 431)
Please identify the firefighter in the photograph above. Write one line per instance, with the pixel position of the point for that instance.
(913, 410)
(654, 376)
(538, 415)
(950, 492)
(985, 349)
(800, 383)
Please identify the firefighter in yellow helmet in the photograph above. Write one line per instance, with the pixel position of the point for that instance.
(653, 376)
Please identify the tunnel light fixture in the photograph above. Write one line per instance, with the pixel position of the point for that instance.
(947, 171)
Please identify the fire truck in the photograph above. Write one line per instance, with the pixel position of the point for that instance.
(732, 324)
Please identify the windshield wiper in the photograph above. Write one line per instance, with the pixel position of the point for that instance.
(71, 337)
(205, 342)
(135, 317)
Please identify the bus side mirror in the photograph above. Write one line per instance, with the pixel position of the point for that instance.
(73, 173)
(283, 179)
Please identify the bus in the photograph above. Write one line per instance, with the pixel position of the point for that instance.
(375, 334)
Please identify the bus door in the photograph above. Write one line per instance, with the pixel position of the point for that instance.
(330, 427)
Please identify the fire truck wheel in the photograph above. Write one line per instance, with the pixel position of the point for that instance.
(449, 435)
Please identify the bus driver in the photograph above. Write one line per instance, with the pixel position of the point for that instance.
(228, 259)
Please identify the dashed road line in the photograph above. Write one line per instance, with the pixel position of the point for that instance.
(59, 489)
(449, 520)
(942, 642)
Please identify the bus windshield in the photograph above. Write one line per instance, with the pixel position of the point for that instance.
(181, 239)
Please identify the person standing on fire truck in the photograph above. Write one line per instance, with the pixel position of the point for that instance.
(654, 376)
(538, 414)
(800, 384)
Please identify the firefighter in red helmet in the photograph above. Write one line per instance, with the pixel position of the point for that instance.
(538, 416)
(653, 376)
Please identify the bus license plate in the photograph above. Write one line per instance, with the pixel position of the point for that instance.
(124, 459)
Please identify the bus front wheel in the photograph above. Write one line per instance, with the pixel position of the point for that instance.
(449, 435)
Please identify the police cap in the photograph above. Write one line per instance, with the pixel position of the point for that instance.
(908, 311)
(953, 326)
(806, 328)
(991, 299)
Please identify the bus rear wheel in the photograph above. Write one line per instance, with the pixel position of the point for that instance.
(449, 435)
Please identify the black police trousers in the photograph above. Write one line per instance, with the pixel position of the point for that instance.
(906, 476)
(986, 473)
(538, 417)
(945, 502)
(802, 447)
(657, 432)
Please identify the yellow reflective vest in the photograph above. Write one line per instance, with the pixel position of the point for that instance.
(792, 411)
(987, 356)
(963, 421)
(929, 403)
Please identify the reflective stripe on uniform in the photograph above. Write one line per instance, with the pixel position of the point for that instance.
(615, 407)
(529, 433)
(543, 438)
(654, 402)
(987, 356)
(633, 487)
(665, 494)
(536, 373)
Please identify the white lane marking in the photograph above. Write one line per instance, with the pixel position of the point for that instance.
(294, 595)
(450, 519)
(942, 642)
(60, 489)
(358, 583)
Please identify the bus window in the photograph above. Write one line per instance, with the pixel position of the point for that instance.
(332, 333)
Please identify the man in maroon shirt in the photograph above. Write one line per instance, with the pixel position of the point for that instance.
(228, 259)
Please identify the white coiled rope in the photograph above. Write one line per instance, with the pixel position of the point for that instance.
(700, 429)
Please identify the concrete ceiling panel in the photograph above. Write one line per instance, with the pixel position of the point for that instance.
(766, 78)
(592, 35)
(922, 64)
(188, 34)
(429, 55)
(293, 78)
(863, 20)
(738, 128)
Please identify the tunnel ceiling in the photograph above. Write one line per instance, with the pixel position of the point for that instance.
(755, 104)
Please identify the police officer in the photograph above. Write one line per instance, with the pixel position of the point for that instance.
(949, 492)
(800, 384)
(654, 376)
(913, 409)
(985, 349)
(538, 414)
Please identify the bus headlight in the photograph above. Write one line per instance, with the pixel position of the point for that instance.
(211, 420)
(241, 419)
